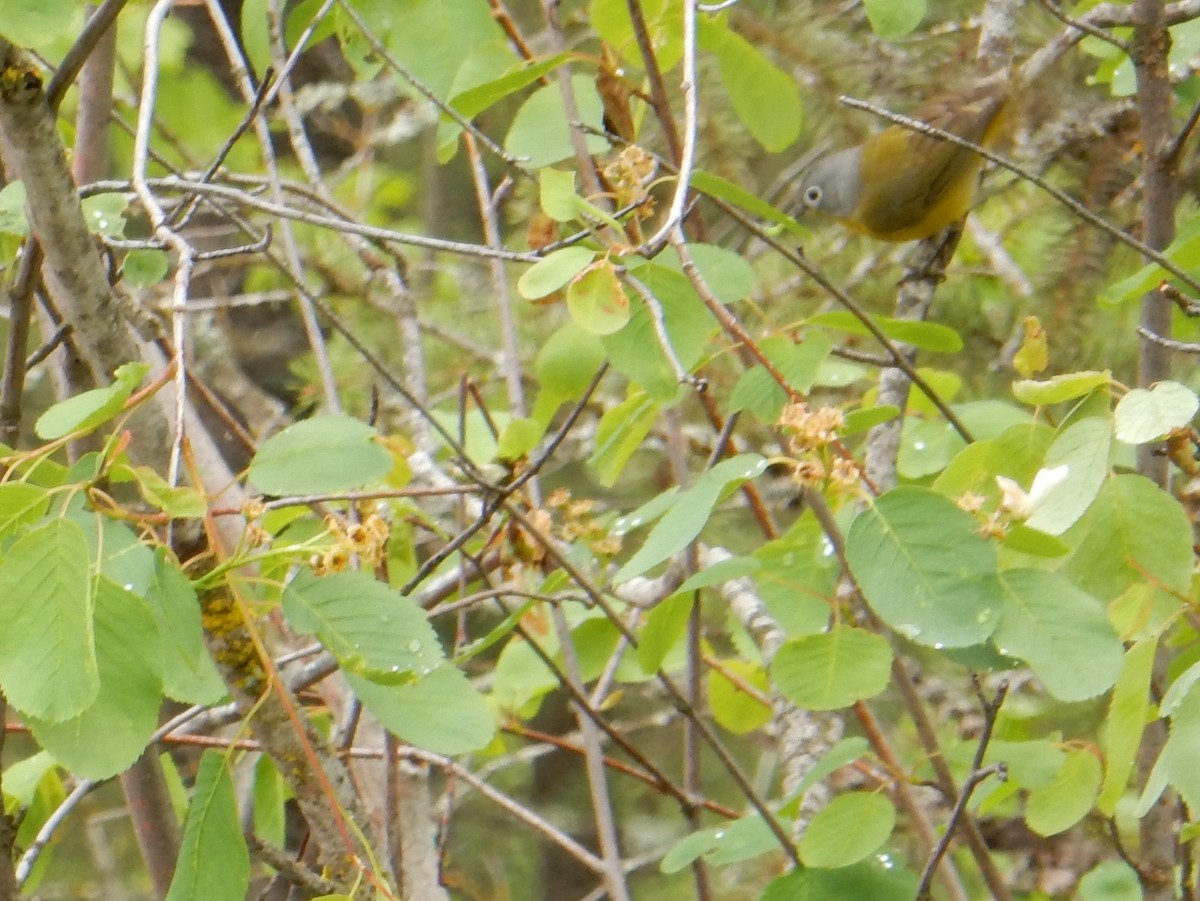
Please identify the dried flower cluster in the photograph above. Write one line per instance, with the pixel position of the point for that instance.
(812, 433)
(366, 540)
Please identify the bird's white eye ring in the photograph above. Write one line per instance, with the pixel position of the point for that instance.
(812, 195)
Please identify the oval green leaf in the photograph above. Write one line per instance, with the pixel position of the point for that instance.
(833, 669)
(597, 301)
(1144, 415)
(320, 455)
(924, 568)
(892, 19)
(554, 271)
(1061, 632)
(852, 827)
(1067, 800)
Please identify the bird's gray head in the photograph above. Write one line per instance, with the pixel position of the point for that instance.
(833, 184)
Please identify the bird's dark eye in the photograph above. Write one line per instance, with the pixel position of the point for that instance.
(812, 196)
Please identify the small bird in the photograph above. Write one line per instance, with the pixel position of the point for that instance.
(902, 185)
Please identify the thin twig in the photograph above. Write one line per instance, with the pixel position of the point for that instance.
(253, 201)
(293, 870)
(20, 298)
(93, 30)
(1184, 347)
(1085, 26)
(898, 358)
(676, 694)
(50, 827)
(991, 711)
(687, 158)
(381, 50)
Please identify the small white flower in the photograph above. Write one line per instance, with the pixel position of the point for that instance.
(1021, 504)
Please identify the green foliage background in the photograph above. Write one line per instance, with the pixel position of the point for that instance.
(664, 545)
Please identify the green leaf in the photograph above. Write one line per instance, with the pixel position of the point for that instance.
(764, 97)
(619, 436)
(434, 39)
(21, 503)
(664, 629)
(834, 669)
(213, 863)
(557, 196)
(48, 664)
(540, 134)
(1083, 447)
(926, 447)
(636, 350)
(496, 633)
(89, 409)
(738, 840)
(799, 578)
(12, 198)
(178, 501)
(440, 712)
(104, 214)
(33, 23)
(726, 273)
(1060, 388)
(689, 513)
(270, 793)
(1031, 764)
(844, 753)
(21, 779)
(866, 418)
(1121, 733)
(369, 627)
(597, 301)
(256, 35)
(1143, 415)
(923, 567)
(299, 16)
(757, 391)
(474, 101)
(1133, 533)
(931, 336)
(1179, 690)
(1065, 801)
(1179, 763)
(850, 828)
(878, 878)
(188, 672)
(1133, 286)
(568, 360)
(721, 571)
(554, 271)
(144, 268)
(946, 385)
(521, 678)
(595, 640)
(324, 454)
(664, 25)
(722, 189)
(475, 430)
(124, 558)
(734, 709)
(1017, 453)
(891, 19)
(1019, 537)
(1110, 880)
(1182, 251)
(109, 735)
(1060, 631)
(518, 438)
